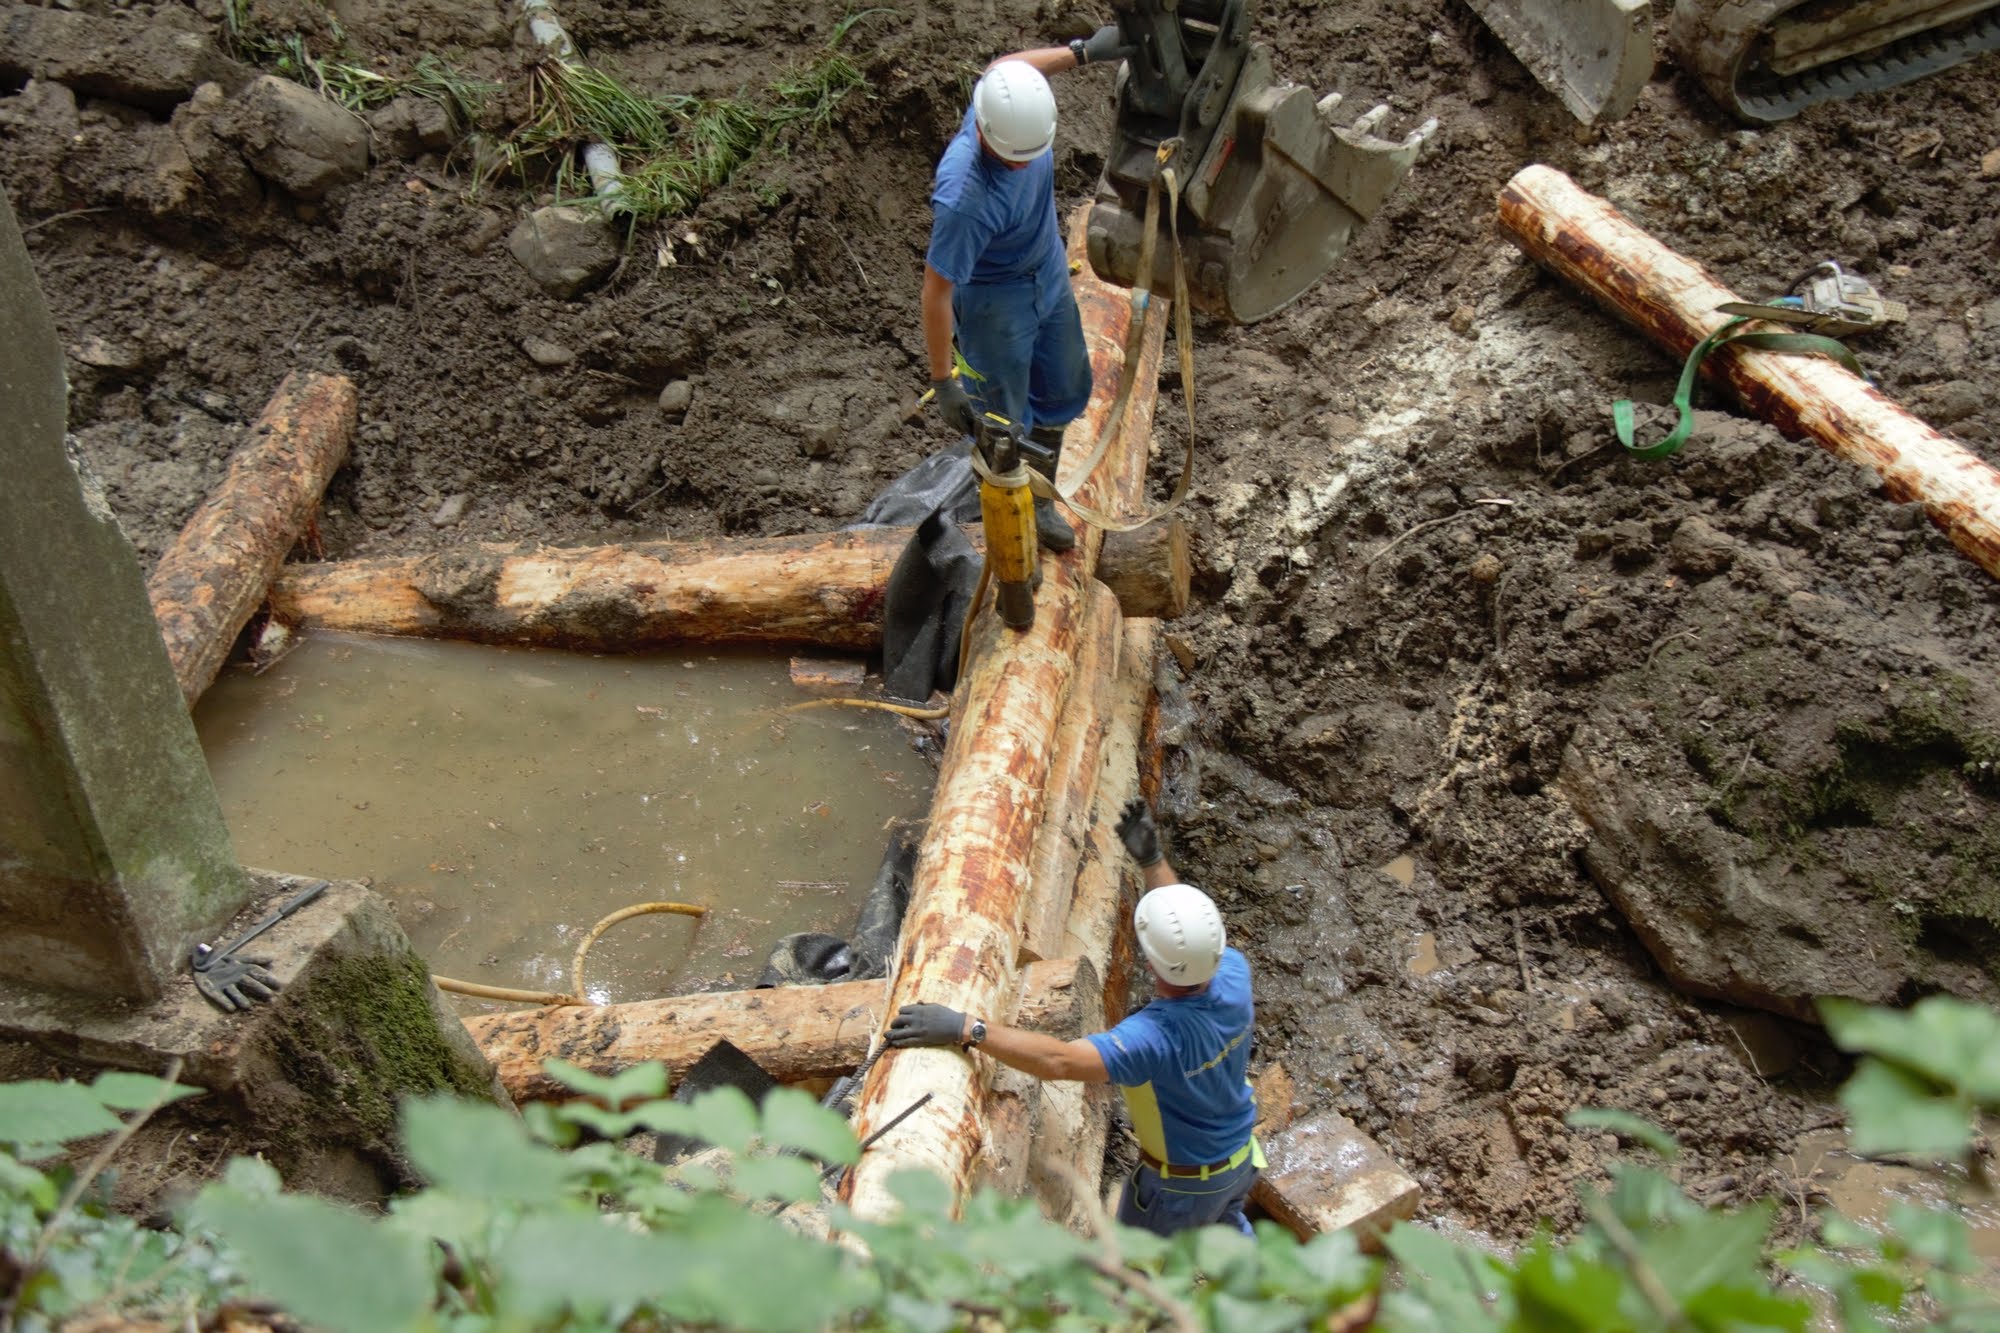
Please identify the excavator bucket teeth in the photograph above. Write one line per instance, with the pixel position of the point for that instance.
(1596, 55)
(1267, 210)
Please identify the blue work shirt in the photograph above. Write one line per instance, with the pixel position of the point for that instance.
(1182, 1065)
(992, 223)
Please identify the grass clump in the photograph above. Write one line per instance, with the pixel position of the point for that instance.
(334, 76)
(673, 150)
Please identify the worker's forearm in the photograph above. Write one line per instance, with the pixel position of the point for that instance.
(1043, 1056)
(1160, 873)
(1047, 60)
(937, 323)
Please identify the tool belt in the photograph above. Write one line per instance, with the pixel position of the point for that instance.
(1178, 1171)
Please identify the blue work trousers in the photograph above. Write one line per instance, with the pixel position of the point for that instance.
(1025, 342)
(1166, 1205)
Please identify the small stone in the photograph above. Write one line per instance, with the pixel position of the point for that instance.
(1462, 321)
(677, 398)
(105, 355)
(1698, 550)
(451, 511)
(293, 137)
(1989, 165)
(1485, 568)
(545, 353)
(565, 249)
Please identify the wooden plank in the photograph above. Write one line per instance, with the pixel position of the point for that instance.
(1324, 1174)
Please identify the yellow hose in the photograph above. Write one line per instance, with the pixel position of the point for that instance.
(901, 710)
(479, 992)
(636, 909)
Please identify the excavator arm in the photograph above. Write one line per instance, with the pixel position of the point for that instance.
(1271, 190)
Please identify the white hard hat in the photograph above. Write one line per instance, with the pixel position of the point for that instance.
(1180, 932)
(1015, 111)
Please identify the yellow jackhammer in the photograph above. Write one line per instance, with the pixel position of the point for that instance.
(1007, 513)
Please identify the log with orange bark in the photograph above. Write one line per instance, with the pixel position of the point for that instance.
(824, 588)
(213, 578)
(795, 1033)
(1673, 300)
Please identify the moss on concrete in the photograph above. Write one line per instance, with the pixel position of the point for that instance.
(367, 1037)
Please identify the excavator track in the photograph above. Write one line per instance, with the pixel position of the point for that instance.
(1767, 60)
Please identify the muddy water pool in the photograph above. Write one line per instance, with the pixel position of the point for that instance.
(504, 800)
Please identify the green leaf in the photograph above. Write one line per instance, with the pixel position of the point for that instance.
(609, 1124)
(481, 1151)
(123, 1091)
(1843, 1233)
(921, 1193)
(1625, 1125)
(39, 1112)
(792, 1179)
(1945, 1039)
(725, 1117)
(1746, 1307)
(323, 1265)
(1238, 1315)
(1562, 1290)
(581, 1263)
(1892, 1110)
(639, 1083)
(27, 1183)
(1935, 1235)
(792, 1119)
(1446, 1287)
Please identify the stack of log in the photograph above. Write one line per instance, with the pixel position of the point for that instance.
(1021, 886)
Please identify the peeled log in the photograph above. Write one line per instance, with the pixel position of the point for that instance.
(1673, 300)
(794, 1032)
(824, 589)
(212, 580)
(1073, 774)
(1107, 882)
(962, 934)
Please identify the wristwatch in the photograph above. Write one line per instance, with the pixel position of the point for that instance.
(1080, 51)
(978, 1033)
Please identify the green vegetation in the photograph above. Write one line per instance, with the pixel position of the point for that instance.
(673, 150)
(352, 85)
(520, 1228)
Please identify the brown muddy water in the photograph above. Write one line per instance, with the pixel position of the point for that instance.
(504, 800)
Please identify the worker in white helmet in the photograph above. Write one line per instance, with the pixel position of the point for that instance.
(1181, 1061)
(996, 273)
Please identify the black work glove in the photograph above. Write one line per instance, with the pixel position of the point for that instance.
(1107, 43)
(927, 1025)
(1140, 835)
(954, 405)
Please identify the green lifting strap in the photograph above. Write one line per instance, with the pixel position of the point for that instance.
(1805, 343)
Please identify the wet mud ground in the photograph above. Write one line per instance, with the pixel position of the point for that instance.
(1570, 800)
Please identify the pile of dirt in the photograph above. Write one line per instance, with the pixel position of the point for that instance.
(1523, 770)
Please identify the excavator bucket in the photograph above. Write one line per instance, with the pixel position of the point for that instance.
(1271, 189)
(1596, 55)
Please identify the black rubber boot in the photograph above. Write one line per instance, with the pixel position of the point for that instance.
(1051, 528)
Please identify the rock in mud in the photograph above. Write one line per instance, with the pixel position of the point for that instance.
(130, 60)
(410, 126)
(545, 353)
(677, 398)
(1698, 550)
(295, 138)
(451, 511)
(222, 169)
(566, 250)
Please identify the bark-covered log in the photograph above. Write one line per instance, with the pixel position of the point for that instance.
(794, 1032)
(820, 588)
(1673, 300)
(213, 578)
(1149, 569)
(962, 935)
(824, 589)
